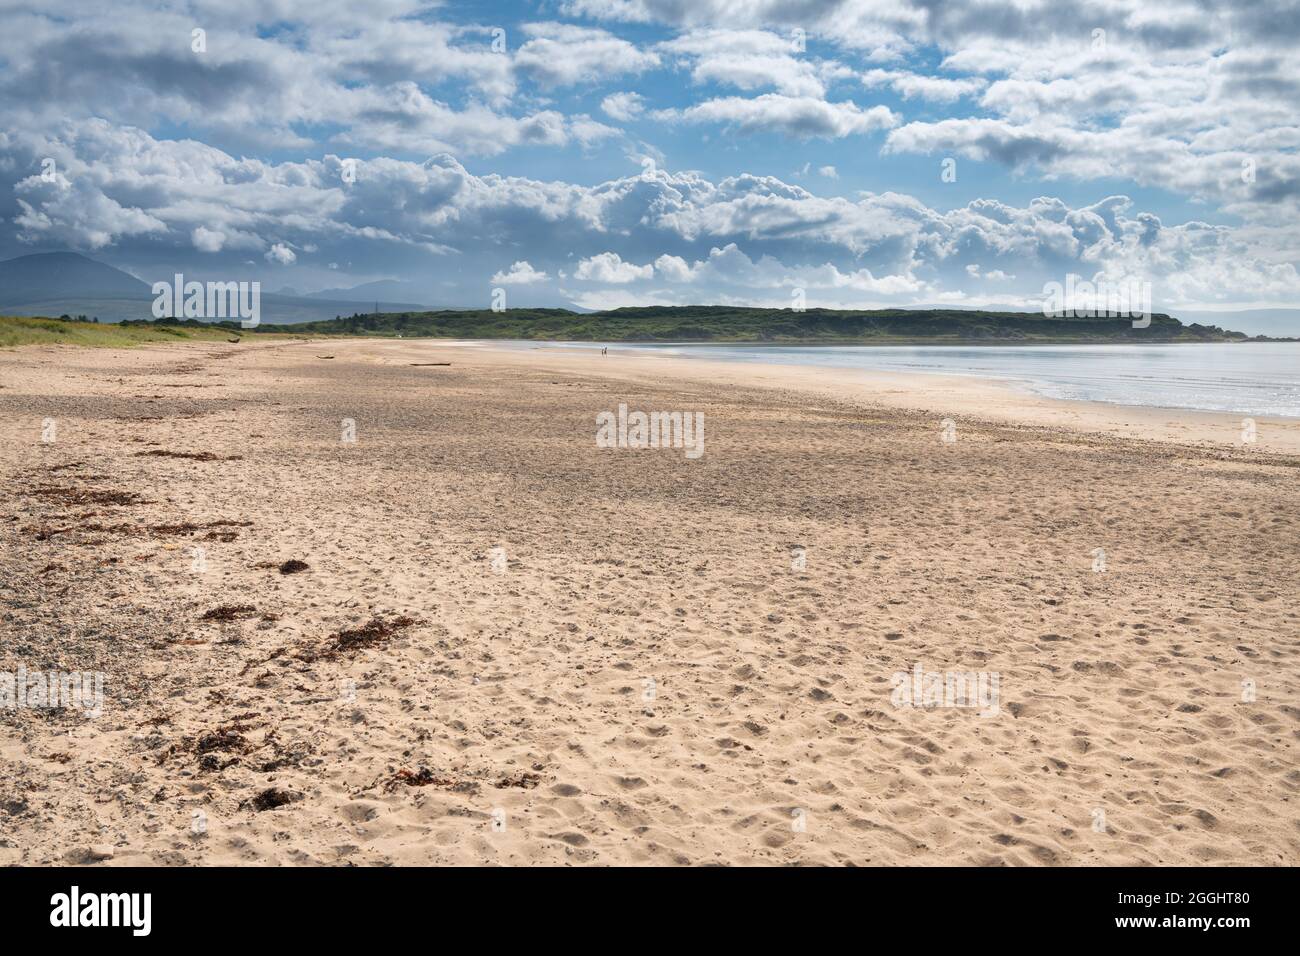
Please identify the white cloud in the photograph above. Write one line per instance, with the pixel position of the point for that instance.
(381, 83)
(729, 275)
(1179, 99)
(1174, 94)
(589, 132)
(673, 268)
(623, 107)
(937, 88)
(207, 240)
(801, 117)
(281, 254)
(521, 273)
(609, 267)
(561, 55)
(77, 214)
(383, 51)
(751, 60)
(403, 117)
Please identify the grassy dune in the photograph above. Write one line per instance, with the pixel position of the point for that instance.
(20, 330)
(738, 324)
(650, 324)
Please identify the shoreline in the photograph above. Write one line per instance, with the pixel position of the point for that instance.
(940, 393)
(946, 394)
(847, 344)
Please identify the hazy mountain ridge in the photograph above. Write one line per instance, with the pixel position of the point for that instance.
(68, 283)
(383, 290)
(64, 275)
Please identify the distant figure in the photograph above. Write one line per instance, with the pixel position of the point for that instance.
(604, 350)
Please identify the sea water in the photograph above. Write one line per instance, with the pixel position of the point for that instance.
(1250, 378)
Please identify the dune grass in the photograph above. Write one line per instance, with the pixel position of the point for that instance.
(717, 323)
(21, 330)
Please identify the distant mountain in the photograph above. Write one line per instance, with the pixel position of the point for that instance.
(63, 275)
(66, 283)
(390, 290)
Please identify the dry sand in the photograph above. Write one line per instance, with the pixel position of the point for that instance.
(645, 679)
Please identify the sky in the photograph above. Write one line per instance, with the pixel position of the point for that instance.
(603, 153)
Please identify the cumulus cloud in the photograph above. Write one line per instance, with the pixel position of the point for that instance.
(752, 60)
(521, 273)
(654, 225)
(281, 254)
(1166, 93)
(232, 157)
(624, 106)
(590, 132)
(938, 88)
(732, 276)
(207, 240)
(609, 267)
(77, 214)
(673, 268)
(799, 116)
(404, 118)
(561, 54)
(373, 79)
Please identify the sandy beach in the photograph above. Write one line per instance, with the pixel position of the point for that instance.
(354, 608)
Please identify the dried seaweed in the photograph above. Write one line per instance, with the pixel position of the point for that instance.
(88, 496)
(229, 612)
(270, 799)
(190, 455)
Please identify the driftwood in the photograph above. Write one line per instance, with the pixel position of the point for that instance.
(429, 363)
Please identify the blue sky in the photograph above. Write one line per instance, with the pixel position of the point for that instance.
(611, 152)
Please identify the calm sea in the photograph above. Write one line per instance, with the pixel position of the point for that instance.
(1251, 378)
